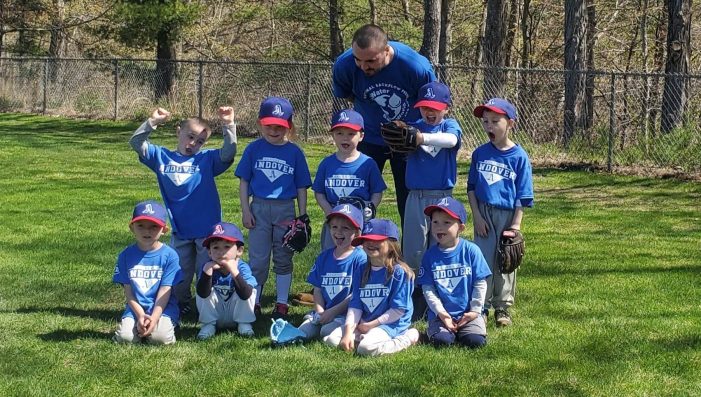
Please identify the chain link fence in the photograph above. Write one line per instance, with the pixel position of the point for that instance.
(623, 130)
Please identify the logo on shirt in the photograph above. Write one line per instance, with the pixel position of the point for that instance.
(343, 185)
(273, 168)
(431, 150)
(334, 283)
(224, 290)
(372, 295)
(450, 276)
(390, 98)
(145, 277)
(494, 172)
(179, 173)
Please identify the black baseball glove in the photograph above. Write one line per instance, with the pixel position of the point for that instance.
(368, 208)
(298, 234)
(400, 137)
(511, 251)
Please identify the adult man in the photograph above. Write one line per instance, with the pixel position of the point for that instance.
(382, 78)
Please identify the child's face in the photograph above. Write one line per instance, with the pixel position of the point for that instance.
(445, 229)
(274, 134)
(432, 116)
(220, 249)
(377, 250)
(191, 138)
(497, 126)
(342, 231)
(147, 233)
(346, 139)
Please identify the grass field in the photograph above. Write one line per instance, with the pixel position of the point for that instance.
(608, 296)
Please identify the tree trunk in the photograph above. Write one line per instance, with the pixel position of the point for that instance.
(576, 53)
(336, 38)
(494, 48)
(512, 25)
(586, 119)
(165, 64)
(674, 97)
(432, 30)
(373, 12)
(658, 60)
(446, 38)
(525, 94)
(57, 37)
(406, 10)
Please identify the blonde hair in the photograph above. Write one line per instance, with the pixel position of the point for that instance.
(194, 121)
(394, 258)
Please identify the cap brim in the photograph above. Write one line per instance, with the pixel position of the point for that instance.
(206, 241)
(479, 110)
(351, 220)
(354, 127)
(431, 104)
(275, 121)
(431, 208)
(157, 221)
(372, 237)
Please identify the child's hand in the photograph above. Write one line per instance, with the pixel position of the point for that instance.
(364, 328)
(159, 116)
(448, 322)
(152, 323)
(481, 227)
(232, 265)
(348, 342)
(210, 267)
(325, 317)
(226, 114)
(142, 324)
(466, 318)
(249, 222)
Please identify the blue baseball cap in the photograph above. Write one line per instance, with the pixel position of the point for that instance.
(151, 211)
(348, 118)
(497, 105)
(276, 111)
(450, 206)
(378, 230)
(224, 231)
(348, 211)
(434, 95)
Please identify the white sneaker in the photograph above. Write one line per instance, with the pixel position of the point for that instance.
(207, 331)
(245, 329)
(413, 335)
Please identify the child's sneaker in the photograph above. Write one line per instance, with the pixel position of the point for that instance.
(257, 311)
(502, 317)
(207, 331)
(280, 311)
(245, 329)
(485, 317)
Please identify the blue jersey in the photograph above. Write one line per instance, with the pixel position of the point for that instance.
(146, 272)
(223, 284)
(380, 295)
(502, 179)
(274, 171)
(453, 274)
(337, 179)
(430, 167)
(388, 95)
(334, 276)
(188, 188)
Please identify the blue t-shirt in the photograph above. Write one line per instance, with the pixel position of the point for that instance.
(453, 274)
(274, 171)
(223, 284)
(188, 188)
(502, 179)
(430, 167)
(380, 295)
(334, 276)
(388, 95)
(337, 179)
(146, 272)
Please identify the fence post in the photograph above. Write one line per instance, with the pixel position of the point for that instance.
(115, 95)
(308, 94)
(612, 122)
(46, 82)
(200, 83)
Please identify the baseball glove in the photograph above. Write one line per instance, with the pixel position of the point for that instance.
(368, 208)
(400, 137)
(298, 234)
(511, 251)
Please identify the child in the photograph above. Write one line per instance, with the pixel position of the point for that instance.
(225, 287)
(148, 270)
(379, 312)
(499, 186)
(274, 171)
(453, 279)
(346, 172)
(332, 275)
(186, 180)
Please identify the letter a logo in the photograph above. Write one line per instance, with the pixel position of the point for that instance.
(278, 111)
(443, 202)
(429, 93)
(343, 117)
(148, 210)
(218, 230)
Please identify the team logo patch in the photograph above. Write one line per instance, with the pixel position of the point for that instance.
(278, 111)
(145, 277)
(494, 172)
(335, 283)
(450, 276)
(343, 117)
(224, 290)
(218, 230)
(344, 185)
(431, 150)
(372, 295)
(179, 173)
(391, 99)
(273, 168)
(429, 93)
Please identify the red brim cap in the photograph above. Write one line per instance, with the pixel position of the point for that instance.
(157, 221)
(372, 237)
(431, 208)
(480, 109)
(431, 104)
(275, 121)
(206, 241)
(354, 127)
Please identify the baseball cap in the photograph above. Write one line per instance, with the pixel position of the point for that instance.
(378, 230)
(348, 211)
(497, 105)
(450, 206)
(224, 231)
(151, 211)
(434, 95)
(275, 111)
(348, 118)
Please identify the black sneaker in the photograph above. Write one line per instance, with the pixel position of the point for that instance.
(185, 310)
(502, 317)
(485, 317)
(257, 311)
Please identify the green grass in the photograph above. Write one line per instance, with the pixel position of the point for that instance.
(608, 295)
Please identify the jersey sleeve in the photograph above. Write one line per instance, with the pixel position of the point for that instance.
(480, 268)
(314, 277)
(342, 83)
(524, 183)
(218, 166)
(355, 301)
(120, 275)
(302, 177)
(377, 183)
(425, 276)
(172, 275)
(245, 271)
(453, 127)
(319, 179)
(245, 170)
(401, 290)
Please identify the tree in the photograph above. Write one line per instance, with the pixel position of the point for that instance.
(335, 37)
(576, 61)
(675, 94)
(494, 48)
(432, 30)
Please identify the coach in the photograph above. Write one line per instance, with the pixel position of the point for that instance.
(382, 78)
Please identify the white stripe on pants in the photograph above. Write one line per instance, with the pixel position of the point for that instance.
(416, 237)
(164, 334)
(226, 313)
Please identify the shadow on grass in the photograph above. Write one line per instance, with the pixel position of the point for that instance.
(552, 271)
(63, 335)
(687, 342)
(95, 314)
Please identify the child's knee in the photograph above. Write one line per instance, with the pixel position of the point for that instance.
(368, 349)
(164, 334)
(473, 341)
(443, 338)
(125, 332)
